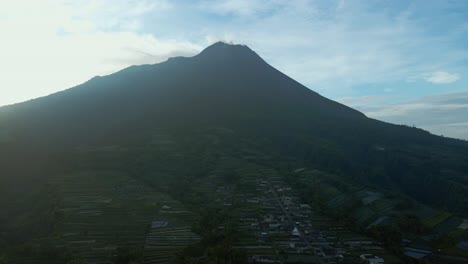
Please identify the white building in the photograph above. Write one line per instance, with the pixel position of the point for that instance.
(372, 259)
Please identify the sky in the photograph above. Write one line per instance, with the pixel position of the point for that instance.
(400, 61)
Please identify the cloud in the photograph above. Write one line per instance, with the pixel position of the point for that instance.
(444, 114)
(238, 7)
(442, 77)
(454, 130)
(115, 15)
(388, 90)
(333, 46)
(362, 100)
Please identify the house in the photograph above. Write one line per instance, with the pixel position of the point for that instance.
(295, 232)
(418, 249)
(296, 258)
(158, 224)
(371, 259)
(463, 245)
(274, 225)
(416, 253)
(253, 200)
(263, 259)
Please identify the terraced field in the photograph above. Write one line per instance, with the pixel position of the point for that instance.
(170, 233)
(437, 219)
(104, 210)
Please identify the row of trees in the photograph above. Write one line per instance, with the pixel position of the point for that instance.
(219, 235)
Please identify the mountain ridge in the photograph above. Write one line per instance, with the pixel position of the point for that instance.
(210, 56)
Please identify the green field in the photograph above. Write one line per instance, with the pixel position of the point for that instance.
(437, 219)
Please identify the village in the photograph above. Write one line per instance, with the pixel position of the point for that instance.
(288, 231)
(274, 225)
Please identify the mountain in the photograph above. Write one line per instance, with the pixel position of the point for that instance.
(225, 101)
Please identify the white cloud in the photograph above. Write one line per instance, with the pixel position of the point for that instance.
(445, 114)
(238, 7)
(455, 130)
(442, 77)
(115, 14)
(367, 101)
(332, 46)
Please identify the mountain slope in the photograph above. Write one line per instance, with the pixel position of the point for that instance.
(227, 87)
(230, 79)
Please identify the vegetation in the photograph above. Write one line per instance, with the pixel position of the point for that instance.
(412, 224)
(127, 255)
(437, 219)
(219, 235)
(389, 235)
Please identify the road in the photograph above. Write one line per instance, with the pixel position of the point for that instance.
(290, 219)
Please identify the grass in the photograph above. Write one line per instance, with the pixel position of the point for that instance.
(383, 205)
(455, 251)
(437, 219)
(456, 234)
(362, 214)
(445, 227)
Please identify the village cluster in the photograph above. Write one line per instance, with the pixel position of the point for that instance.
(284, 230)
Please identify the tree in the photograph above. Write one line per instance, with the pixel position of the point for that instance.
(3, 259)
(127, 255)
(411, 224)
(77, 261)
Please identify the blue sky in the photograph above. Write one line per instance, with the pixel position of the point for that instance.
(394, 60)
